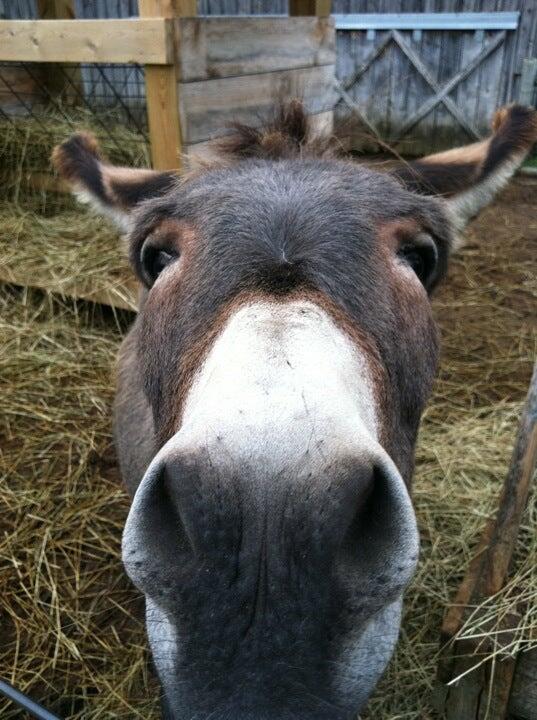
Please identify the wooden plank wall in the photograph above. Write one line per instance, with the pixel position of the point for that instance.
(392, 90)
(234, 69)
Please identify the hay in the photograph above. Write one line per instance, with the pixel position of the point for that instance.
(70, 623)
(71, 626)
(72, 252)
(46, 241)
(486, 311)
(26, 144)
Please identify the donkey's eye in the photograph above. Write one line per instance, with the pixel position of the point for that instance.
(422, 257)
(154, 260)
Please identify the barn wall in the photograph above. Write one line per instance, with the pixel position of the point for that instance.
(391, 90)
(444, 52)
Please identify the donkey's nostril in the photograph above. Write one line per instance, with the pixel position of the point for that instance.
(381, 544)
(181, 514)
(155, 534)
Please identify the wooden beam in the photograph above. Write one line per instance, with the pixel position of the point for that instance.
(61, 83)
(366, 64)
(442, 91)
(161, 89)
(321, 8)
(91, 41)
(228, 47)
(209, 105)
(485, 684)
(528, 81)
(122, 294)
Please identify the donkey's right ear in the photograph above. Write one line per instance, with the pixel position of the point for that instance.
(113, 191)
(469, 177)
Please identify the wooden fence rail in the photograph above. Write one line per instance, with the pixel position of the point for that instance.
(181, 107)
(475, 681)
(144, 41)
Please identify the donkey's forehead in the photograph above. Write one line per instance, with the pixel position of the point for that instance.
(325, 190)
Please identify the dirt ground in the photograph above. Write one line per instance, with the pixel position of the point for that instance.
(71, 629)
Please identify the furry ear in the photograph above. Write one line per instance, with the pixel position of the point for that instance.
(471, 176)
(113, 191)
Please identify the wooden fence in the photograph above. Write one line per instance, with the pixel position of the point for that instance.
(426, 82)
(199, 73)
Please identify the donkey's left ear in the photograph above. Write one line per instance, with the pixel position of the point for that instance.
(469, 177)
(113, 191)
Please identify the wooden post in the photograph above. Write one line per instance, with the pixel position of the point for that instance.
(56, 9)
(66, 83)
(484, 688)
(528, 81)
(321, 8)
(161, 91)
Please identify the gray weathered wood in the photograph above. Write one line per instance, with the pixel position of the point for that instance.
(479, 21)
(473, 687)
(390, 91)
(440, 95)
(223, 47)
(344, 95)
(208, 106)
(367, 64)
(527, 82)
(441, 92)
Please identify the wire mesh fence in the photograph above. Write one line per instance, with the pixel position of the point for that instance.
(41, 105)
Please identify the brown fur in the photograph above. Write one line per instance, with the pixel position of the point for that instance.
(79, 161)
(287, 135)
(64, 158)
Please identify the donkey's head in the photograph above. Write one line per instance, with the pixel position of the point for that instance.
(286, 348)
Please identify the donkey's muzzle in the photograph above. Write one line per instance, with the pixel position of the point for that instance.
(253, 569)
(199, 513)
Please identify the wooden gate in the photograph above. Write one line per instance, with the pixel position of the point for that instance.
(422, 82)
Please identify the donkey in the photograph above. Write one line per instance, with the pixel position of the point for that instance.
(268, 400)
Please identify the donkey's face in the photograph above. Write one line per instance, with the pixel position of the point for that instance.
(286, 348)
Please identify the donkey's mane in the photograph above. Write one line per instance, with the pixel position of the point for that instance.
(287, 134)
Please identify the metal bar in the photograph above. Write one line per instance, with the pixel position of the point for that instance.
(26, 703)
(428, 21)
